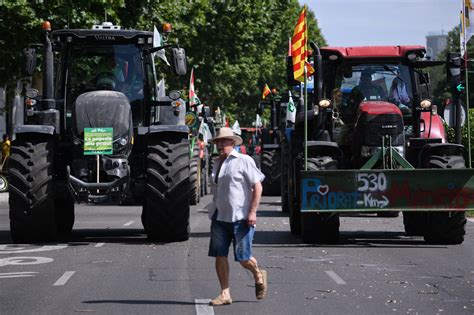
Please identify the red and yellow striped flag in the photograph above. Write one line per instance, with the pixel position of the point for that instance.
(298, 47)
(266, 91)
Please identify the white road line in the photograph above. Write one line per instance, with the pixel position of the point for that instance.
(129, 223)
(471, 219)
(64, 278)
(335, 277)
(203, 307)
(99, 244)
(17, 274)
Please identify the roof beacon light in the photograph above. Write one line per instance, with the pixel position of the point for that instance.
(167, 28)
(106, 26)
(46, 26)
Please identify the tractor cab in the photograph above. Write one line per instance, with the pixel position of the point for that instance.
(377, 93)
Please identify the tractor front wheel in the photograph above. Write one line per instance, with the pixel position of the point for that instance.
(166, 200)
(32, 205)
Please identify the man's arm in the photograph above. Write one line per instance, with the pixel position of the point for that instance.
(256, 194)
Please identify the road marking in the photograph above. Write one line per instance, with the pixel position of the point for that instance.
(203, 307)
(64, 278)
(17, 274)
(15, 261)
(471, 219)
(13, 249)
(129, 223)
(99, 244)
(335, 277)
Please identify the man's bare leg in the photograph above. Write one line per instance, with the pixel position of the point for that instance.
(252, 266)
(222, 269)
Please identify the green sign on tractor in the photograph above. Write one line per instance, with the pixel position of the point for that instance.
(98, 141)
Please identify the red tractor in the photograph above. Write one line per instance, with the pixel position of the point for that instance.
(375, 143)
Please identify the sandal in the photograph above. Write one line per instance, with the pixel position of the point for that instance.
(261, 288)
(219, 301)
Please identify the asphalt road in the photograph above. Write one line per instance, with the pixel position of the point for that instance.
(109, 267)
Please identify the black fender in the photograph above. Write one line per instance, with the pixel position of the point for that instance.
(440, 149)
(41, 129)
(180, 131)
(325, 148)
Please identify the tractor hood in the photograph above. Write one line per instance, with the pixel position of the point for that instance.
(103, 109)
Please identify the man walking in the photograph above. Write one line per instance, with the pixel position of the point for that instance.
(237, 190)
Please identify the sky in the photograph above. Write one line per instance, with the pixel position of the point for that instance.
(383, 22)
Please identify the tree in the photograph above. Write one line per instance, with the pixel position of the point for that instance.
(235, 46)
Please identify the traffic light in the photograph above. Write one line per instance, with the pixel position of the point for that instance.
(456, 73)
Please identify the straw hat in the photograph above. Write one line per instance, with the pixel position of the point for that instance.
(227, 133)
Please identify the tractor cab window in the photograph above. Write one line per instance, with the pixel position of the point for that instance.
(371, 82)
(92, 67)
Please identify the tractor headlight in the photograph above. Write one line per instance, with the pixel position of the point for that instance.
(324, 103)
(425, 104)
(120, 142)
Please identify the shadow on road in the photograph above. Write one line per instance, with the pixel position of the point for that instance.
(139, 302)
(352, 239)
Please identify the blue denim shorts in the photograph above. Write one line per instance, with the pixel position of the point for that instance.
(239, 233)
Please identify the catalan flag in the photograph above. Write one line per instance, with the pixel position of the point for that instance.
(298, 47)
(266, 91)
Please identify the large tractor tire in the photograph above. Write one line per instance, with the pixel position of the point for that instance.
(205, 174)
(271, 168)
(167, 190)
(284, 177)
(32, 197)
(195, 176)
(293, 201)
(445, 227)
(322, 227)
(414, 223)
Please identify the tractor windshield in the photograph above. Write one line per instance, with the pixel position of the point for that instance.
(372, 82)
(93, 66)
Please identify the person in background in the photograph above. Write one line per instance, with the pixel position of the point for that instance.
(237, 188)
(399, 95)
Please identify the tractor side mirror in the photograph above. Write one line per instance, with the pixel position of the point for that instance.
(29, 62)
(179, 61)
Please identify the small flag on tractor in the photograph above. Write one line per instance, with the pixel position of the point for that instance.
(192, 94)
(290, 109)
(266, 91)
(309, 69)
(298, 47)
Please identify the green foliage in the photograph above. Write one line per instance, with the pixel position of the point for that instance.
(234, 46)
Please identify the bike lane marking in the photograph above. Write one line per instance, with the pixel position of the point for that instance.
(64, 278)
(335, 277)
(203, 307)
(17, 261)
(12, 249)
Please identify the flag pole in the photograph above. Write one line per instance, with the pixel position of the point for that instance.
(305, 120)
(467, 112)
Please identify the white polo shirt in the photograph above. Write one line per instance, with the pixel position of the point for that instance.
(233, 193)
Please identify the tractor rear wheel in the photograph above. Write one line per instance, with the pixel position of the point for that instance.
(195, 176)
(166, 200)
(32, 189)
(446, 227)
(415, 223)
(293, 201)
(271, 168)
(320, 227)
(284, 177)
